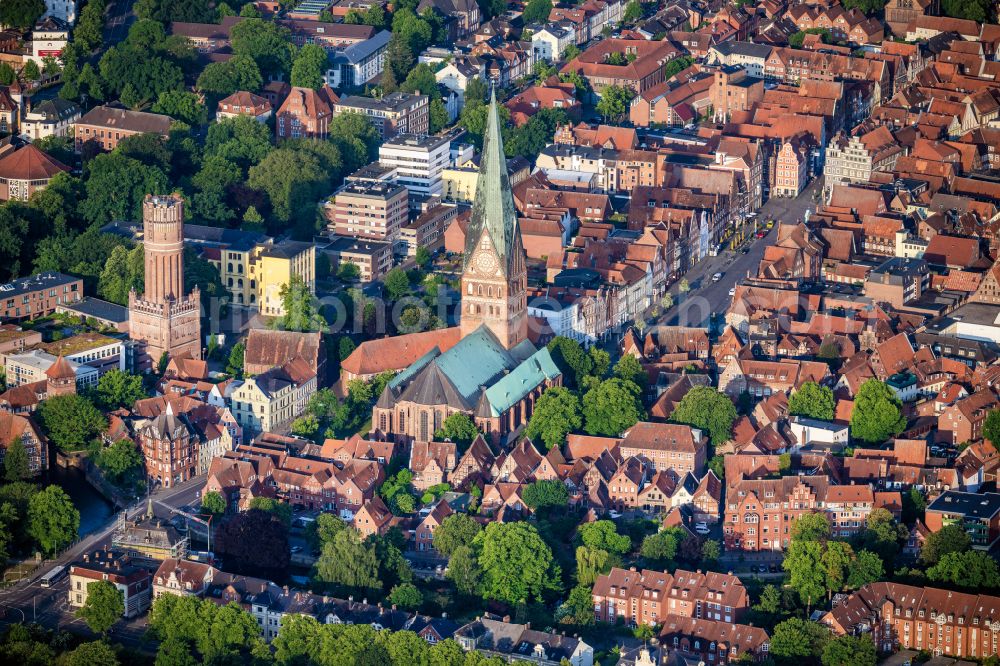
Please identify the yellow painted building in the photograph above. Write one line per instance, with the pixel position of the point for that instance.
(254, 275)
(458, 183)
(278, 264)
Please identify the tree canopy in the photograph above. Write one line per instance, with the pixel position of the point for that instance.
(105, 604)
(516, 563)
(813, 401)
(557, 413)
(612, 407)
(705, 408)
(877, 414)
(53, 520)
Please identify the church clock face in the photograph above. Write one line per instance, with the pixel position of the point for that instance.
(486, 262)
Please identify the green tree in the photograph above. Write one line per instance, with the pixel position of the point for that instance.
(294, 180)
(21, 13)
(571, 358)
(105, 604)
(309, 67)
(214, 503)
(547, 493)
(53, 521)
(882, 535)
(406, 596)
(835, 562)
(396, 283)
(121, 460)
(661, 547)
(348, 272)
(16, 466)
(633, 11)
(123, 271)
(222, 79)
(614, 102)
(853, 650)
(266, 42)
(579, 606)
(804, 564)
(459, 428)
(70, 421)
(970, 570)
(813, 401)
(949, 539)
(117, 388)
(175, 652)
(591, 563)
(629, 369)
(866, 568)
(463, 571)
(516, 563)
(348, 561)
(708, 410)
(796, 640)
(612, 407)
(603, 535)
(973, 10)
(280, 510)
(991, 428)
(811, 527)
(300, 306)
(241, 140)
(7, 74)
(116, 186)
(323, 530)
(557, 413)
(234, 366)
(95, 653)
(181, 105)
(877, 413)
(710, 552)
(456, 531)
(536, 11)
(30, 71)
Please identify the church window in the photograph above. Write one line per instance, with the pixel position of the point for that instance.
(480, 290)
(402, 422)
(423, 426)
(470, 289)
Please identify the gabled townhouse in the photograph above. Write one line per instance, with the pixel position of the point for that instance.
(648, 597)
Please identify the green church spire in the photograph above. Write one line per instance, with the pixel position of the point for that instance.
(493, 210)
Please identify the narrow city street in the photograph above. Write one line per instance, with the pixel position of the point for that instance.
(707, 298)
(27, 600)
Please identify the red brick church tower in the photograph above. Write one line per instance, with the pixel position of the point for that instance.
(495, 272)
(164, 319)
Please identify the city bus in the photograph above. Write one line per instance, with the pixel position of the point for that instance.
(52, 576)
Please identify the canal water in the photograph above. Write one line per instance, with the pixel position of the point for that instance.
(95, 510)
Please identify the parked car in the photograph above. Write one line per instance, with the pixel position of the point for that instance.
(296, 549)
(732, 291)
(716, 277)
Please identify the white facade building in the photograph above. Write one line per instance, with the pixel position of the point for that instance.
(550, 41)
(419, 161)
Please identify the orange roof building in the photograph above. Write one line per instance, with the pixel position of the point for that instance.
(26, 171)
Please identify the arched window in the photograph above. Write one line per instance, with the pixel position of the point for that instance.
(470, 289)
(230, 266)
(423, 426)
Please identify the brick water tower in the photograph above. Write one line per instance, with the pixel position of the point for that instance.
(164, 319)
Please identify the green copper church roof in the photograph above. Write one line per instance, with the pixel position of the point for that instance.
(512, 388)
(493, 208)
